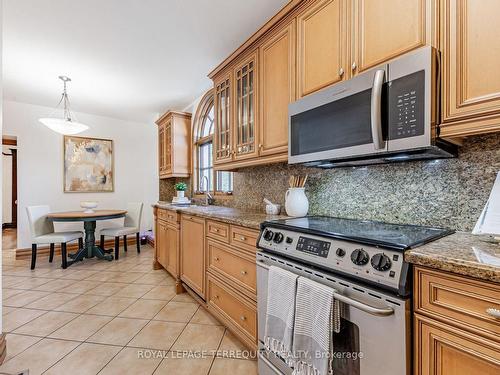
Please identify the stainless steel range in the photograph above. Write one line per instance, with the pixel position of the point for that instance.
(363, 262)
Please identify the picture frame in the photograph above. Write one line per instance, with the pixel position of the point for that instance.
(88, 165)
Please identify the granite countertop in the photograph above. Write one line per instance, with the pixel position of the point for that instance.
(460, 253)
(229, 215)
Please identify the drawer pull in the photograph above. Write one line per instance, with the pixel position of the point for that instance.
(243, 238)
(243, 318)
(217, 259)
(244, 272)
(216, 296)
(216, 230)
(495, 313)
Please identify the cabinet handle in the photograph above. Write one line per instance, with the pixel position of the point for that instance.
(495, 313)
(260, 145)
(243, 318)
(216, 230)
(217, 259)
(341, 72)
(354, 66)
(243, 238)
(244, 273)
(216, 296)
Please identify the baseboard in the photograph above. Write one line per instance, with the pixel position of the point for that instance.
(71, 247)
(9, 225)
(3, 347)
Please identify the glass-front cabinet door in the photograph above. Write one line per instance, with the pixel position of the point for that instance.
(245, 81)
(168, 147)
(222, 133)
(161, 150)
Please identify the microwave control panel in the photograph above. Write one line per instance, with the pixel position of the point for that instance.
(406, 102)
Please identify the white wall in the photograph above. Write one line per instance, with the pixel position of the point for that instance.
(6, 185)
(40, 164)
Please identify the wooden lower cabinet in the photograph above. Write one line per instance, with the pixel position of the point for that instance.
(172, 250)
(160, 243)
(192, 269)
(237, 312)
(167, 244)
(444, 350)
(454, 334)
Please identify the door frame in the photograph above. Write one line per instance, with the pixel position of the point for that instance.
(12, 142)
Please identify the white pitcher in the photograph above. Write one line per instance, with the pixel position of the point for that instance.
(296, 203)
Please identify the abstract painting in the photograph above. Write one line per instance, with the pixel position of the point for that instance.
(88, 165)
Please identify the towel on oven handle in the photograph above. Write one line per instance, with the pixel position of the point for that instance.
(280, 314)
(317, 315)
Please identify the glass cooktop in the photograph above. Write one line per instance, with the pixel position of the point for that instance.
(394, 236)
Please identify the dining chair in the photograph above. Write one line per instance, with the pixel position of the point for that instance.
(42, 232)
(131, 225)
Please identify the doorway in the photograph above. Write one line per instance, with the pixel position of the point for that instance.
(9, 192)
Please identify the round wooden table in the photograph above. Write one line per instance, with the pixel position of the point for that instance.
(90, 249)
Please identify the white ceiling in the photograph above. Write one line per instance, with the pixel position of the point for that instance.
(129, 59)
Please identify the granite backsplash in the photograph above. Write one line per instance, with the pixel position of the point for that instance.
(449, 192)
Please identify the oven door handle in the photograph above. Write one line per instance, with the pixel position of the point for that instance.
(376, 110)
(268, 363)
(377, 311)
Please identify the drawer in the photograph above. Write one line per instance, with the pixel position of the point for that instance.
(168, 215)
(237, 266)
(162, 214)
(240, 311)
(244, 238)
(458, 300)
(217, 230)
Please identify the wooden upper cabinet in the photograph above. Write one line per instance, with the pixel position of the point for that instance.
(245, 93)
(471, 57)
(223, 119)
(383, 30)
(174, 144)
(161, 150)
(168, 148)
(322, 45)
(277, 89)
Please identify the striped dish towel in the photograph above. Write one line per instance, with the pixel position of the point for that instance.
(317, 315)
(281, 289)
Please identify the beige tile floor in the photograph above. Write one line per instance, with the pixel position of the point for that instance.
(99, 317)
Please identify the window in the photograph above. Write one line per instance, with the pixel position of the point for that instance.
(218, 182)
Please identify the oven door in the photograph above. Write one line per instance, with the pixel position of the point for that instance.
(375, 328)
(343, 121)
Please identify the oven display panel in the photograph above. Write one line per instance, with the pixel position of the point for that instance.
(314, 247)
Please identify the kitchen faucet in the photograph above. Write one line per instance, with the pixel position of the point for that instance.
(209, 200)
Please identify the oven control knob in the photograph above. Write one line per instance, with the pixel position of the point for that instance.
(278, 237)
(268, 235)
(381, 262)
(340, 252)
(360, 257)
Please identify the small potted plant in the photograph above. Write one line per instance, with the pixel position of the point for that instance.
(181, 188)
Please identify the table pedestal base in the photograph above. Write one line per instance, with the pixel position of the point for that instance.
(90, 249)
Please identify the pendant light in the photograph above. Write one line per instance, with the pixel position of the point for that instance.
(64, 125)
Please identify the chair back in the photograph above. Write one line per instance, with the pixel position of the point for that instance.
(134, 214)
(37, 217)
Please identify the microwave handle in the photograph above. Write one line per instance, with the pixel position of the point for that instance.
(376, 110)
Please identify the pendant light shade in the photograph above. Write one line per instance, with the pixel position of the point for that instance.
(65, 124)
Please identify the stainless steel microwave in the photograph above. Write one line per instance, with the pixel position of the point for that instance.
(387, 114)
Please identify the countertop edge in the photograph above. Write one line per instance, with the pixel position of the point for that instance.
(219, 217)
(454, 266)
